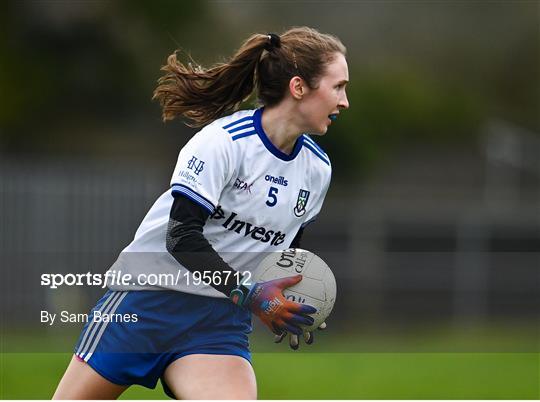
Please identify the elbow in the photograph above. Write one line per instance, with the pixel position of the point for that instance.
(171, 241)
(183, 237)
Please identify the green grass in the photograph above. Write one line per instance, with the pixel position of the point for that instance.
(328, 376)
(400, 376)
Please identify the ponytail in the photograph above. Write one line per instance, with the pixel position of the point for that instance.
(264, 62)
(203, 95)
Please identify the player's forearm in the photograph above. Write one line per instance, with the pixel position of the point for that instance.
(187, 244)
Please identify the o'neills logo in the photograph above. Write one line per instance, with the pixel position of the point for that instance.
(282, 181)
(259, 233)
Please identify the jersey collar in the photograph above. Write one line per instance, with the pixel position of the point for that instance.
(268, 144)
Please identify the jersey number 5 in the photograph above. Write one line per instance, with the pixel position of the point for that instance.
(272, 199)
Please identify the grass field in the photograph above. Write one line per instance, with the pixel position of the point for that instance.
(328, 376)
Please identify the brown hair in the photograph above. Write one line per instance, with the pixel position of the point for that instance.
(263, 62)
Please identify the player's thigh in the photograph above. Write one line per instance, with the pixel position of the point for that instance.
(80, 381)
(202, 376)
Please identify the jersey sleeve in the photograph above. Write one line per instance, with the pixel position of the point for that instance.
(318, 199)
(203, 168)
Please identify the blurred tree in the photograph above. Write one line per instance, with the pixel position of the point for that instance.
(393, 109)
(77, 77)
(63, 64)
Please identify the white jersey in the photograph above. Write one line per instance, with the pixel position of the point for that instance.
(257, 196)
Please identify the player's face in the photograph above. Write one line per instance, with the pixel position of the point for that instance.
(322, 105)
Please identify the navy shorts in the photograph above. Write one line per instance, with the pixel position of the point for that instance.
(131, 337)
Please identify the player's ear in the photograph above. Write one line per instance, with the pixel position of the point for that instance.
(297, 87)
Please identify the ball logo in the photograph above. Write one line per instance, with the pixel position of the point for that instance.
(296, 298)
(291, 257)
(286, 258)
(301, 202)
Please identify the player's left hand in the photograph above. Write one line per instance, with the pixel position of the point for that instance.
(294, 342)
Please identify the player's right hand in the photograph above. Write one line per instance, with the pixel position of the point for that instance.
(267, 302)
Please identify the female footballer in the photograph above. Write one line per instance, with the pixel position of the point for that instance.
(245, 184)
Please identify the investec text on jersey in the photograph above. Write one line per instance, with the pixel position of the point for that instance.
(258, 233)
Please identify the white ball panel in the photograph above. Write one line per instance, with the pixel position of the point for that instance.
(317, 288)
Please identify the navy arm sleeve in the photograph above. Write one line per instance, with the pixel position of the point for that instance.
(187, 244)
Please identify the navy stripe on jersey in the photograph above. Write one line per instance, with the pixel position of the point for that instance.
(241, 128)
(234, 123)
(313, 147)
(242, 135)
(192, 195)
(238, 128)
